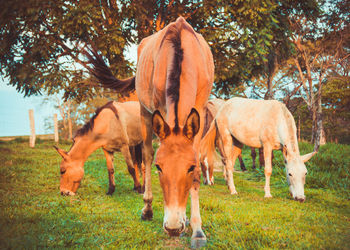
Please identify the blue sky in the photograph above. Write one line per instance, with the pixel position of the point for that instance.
(14, 117)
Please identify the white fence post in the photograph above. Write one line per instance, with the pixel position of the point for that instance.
(32, 129)
(56, 127)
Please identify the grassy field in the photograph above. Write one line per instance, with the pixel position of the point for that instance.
(34, 215)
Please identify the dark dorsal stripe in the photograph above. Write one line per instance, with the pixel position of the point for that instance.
(173, 89)
(90, 124)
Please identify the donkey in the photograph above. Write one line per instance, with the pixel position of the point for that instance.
(258, 123)
(174, 77)
(114, 127)
(210, 110)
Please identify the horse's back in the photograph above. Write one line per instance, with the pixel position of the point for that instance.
(252, 122)
(155, 56)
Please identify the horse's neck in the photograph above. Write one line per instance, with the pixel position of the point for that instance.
(82, 148)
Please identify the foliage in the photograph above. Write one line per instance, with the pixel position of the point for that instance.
(42, 42)
(34, 215)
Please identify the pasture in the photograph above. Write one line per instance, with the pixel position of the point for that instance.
(34, 215)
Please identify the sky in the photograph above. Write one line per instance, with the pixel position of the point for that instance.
(14, 115)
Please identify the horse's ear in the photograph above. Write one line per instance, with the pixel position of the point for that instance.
(308, 156)
(160, 127)
(192, 124)
(63, 153)
(285, 153)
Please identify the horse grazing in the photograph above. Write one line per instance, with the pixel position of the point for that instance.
(210, 111)
(258, 123)
(114, 127)
(174, 77)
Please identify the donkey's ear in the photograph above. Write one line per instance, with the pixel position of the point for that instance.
(63, 153)
(192, 124)
(160, 127)
(308, 156)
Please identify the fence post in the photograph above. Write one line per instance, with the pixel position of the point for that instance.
(32, 129)
(56, 127)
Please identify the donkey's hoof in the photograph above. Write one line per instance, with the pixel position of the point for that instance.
(198, 240)
(147, 214)
(138, 189)
(110, 191)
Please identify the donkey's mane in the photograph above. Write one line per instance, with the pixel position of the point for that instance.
(90, 124)
(173, 35)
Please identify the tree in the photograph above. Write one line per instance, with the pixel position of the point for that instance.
(319, 50)
(42, 42)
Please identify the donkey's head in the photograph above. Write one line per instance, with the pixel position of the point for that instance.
(296, 174)
(176, 164)
(72, 172)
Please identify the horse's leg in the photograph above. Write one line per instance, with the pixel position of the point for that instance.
(198, 238)
(223, 159)
(230, 156)
(132, 171)
(136, 168)
(253, 154)
(241, 163)
(147, 159)
(110, 168)
(268, 170)
(261, 157)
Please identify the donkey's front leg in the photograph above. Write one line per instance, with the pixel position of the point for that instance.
(147, 159)
(110, 167)
(198, 237)
(268, 170)
(131, 168)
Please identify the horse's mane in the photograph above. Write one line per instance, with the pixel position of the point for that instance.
(90, 124)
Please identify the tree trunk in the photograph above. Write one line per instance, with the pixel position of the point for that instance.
(70, 133)
(317, 124)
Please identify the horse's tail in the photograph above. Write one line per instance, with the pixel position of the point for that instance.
(208, 144)
(103, 73)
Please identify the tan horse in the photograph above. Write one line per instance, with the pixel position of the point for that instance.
(174, 77)
(258, 123)
(114, 127)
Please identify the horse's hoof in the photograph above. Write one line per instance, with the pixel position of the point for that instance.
(234, 192)
(198, 240)
(147, 215)
(138, 189)
(110, 191)
(268, 196)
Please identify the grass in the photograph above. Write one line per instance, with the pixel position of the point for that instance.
(34, 215)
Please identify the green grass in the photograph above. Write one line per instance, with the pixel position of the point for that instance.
(34, 215)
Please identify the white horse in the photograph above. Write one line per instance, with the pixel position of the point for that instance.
(258, 123)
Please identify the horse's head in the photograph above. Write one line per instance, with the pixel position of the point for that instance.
(72, 173)
(176, 164)
(296, 174)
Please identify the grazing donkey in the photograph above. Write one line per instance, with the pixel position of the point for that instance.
(258, 123)
(114, 127)
(174, 77)
(210, 110)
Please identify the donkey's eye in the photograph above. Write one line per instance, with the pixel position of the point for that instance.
(290, 174)
(191, 169)
(159, 169)
(63, 171)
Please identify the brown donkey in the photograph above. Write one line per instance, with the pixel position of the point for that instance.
(174, 77)
(114, 127)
